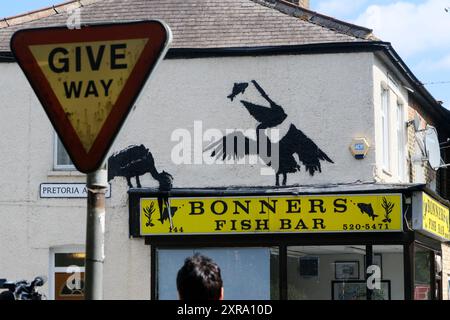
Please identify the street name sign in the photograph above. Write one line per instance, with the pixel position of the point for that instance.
(67, 190)
(88, 79)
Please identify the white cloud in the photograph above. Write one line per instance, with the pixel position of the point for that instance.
(412, 28)
(338, 8)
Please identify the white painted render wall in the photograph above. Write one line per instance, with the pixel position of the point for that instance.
(329, 97)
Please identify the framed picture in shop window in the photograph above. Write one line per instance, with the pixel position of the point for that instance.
(309, 267)
(357, 290)
(346, 270)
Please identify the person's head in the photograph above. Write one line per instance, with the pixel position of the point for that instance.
(199, 279)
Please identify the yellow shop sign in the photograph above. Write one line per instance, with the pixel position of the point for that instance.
(271, 214)
(430, 216)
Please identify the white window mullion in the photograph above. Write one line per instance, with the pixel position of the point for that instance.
(385, 122)
(401, 141)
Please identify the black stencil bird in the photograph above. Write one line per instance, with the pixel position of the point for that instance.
(238, 88)
(137, 160)
(293, 142)
(267, 117)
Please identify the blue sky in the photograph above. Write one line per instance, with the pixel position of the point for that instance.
(418, 29)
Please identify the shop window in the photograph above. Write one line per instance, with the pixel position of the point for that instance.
(336, 266)
(247, 273)
(339, 273)
(61, 160)
(67, 273)
(389, 258)
(422, 274)
(448, 286)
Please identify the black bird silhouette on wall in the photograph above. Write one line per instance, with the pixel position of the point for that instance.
(294, 142)
(135, 161)
(267, 117)
(238, 88)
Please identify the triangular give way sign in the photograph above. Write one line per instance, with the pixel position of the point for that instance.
(88, 79)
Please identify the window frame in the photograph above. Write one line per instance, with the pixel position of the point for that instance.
(385, 129)
(53, 269)
(56, 166)
(401, 139)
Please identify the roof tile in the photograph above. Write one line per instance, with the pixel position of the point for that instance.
(206, 23)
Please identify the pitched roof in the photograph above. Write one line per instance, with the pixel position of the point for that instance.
(204, 23)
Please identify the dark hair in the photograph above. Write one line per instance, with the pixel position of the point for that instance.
(199, 279)
(7, 296)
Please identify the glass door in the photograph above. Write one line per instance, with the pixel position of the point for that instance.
(422, 273)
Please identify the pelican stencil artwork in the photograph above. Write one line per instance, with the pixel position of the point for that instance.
(292, 142)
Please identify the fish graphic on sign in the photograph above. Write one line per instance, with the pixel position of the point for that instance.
(366, 208)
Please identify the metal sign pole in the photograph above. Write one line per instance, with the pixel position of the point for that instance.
(95, 234)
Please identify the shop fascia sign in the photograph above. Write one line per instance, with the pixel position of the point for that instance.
(430, 217)
(271, 214)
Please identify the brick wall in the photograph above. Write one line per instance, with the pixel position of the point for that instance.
(430, 174)
(411, 144)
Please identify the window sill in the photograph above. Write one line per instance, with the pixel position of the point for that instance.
(65, 173)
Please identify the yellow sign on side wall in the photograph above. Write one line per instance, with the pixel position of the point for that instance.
(430, 216)
(271, 214)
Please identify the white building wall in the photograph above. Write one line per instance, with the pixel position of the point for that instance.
(329, 97)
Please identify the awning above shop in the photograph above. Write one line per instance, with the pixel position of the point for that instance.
(293, 190)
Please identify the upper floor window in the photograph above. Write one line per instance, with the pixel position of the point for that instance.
(401, 158)
(385, 128)
(61, 157)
